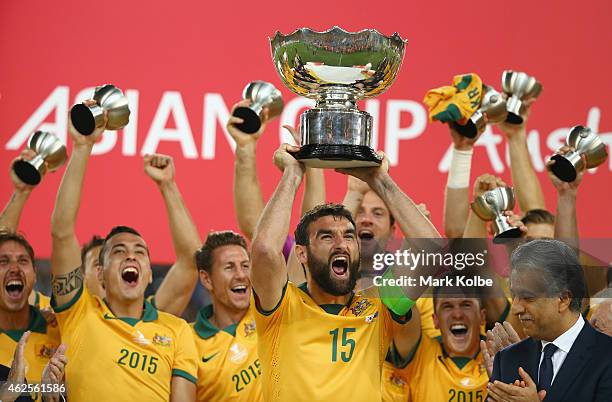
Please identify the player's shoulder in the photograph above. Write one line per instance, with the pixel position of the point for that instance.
(172, 322)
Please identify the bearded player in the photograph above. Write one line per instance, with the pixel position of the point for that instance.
(331, 338)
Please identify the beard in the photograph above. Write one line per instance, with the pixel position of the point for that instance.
(322, 274)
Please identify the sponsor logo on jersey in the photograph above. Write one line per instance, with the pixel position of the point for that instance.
(139, 338)
(398, 380)
(238, 353)
(371, 318)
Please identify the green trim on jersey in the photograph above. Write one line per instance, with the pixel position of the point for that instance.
(205, 329)
(334, 308)
(37, 324)
(185, 375)
(264, 312)
(149, 314)
(460, 362)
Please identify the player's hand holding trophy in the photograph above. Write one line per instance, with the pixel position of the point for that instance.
(588, 151)
(491, 205)
(50, 156)
(108, 98)
(262, 96)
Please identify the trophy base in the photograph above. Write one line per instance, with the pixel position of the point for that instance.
(514, 118)
(27, 173)
(563, 168)
(507, 235)
(82, 119)
(252, 122)
(337, 156)
(470, 130)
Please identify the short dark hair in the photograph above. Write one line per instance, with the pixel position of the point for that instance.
(330, 209)
(115, 231)
(7, 235)
(559, 264)
(538, 216)
(214, 240)
(94, 242)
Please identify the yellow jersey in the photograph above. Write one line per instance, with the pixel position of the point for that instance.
(323, 353)
(228, 364)
(431, 375)
(123, 359)
(41, 345)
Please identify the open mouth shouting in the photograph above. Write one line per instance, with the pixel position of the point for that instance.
(459, 331)
(130, 275)
(14, 289)
(339, 264)
(240, 289)
(365, 234)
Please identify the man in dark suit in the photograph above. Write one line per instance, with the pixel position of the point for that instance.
(564, 359)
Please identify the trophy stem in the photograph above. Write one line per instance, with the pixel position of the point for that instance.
(503, 230)
(337, 97)
(513, 106)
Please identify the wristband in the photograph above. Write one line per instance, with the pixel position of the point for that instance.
(394, 297)
(459, 171)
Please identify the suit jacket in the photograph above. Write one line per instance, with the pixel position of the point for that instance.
(585, 375)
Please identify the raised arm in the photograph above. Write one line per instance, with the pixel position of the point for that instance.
(414, 224)
(9, 218)
(411, 220)
(269, 272)
(566, 222)
(65, 249)
(314, 189)
(456, 193)
(175, 291)
(356, 189)
(248, 200)
(566, 227)
(526, 184)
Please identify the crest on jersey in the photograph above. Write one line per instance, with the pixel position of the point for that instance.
(45, 350)
(360, 307)
(238, 353)
(161, 340)
(249, 328)
(139, 338)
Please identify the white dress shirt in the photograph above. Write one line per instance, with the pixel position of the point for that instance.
(564, 343)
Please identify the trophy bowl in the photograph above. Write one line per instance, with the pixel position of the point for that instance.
(50, 155)
(108, 98)
(519, 87)
(585, 142)
(337, 69)
(491, 205)
(262, 95)
(493, 105)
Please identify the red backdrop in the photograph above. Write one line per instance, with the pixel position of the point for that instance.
(184, 62)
